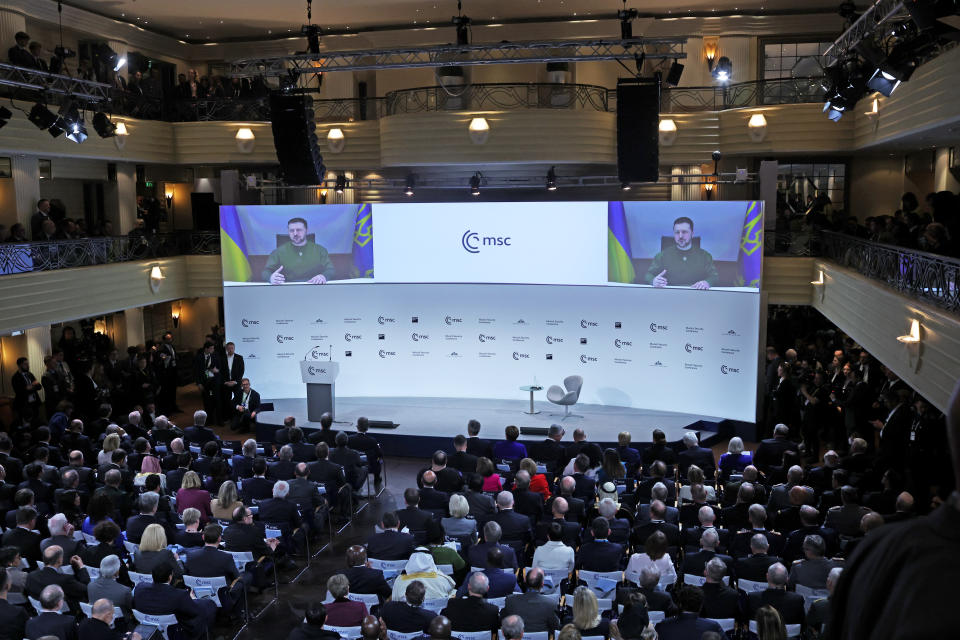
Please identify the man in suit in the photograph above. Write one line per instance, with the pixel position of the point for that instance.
(194, 616)
(845, 519)
(770, 452)
(754, 566)
(570, 530)
(448, 479)
(465, 463)
(719, 600)
(246, 403)
(658, 511)
(199, 433)
(894, 430)
(576, 507)
(327, 473)
(476, 446)
(23, 536)
(473, 613)
(649, 580)
(551, 452)
(278, 511)
(136, 525)
(600, 554)
(688, 623)
(282, 435)
(106, 586)
(99, 625)
(11, 464)
(758, 520)
(326, 433)
(231, 379)
(812, 571)
(482, 506)
(364, 579)
(430, 498)
(350, 460)
(13, 619)
(19, 55)
(167, 398)
(412, 516)
(784, 404)
(209, 378)
(491, 538)
(539, 612)
(526, 502)
(586, 487)
(694, 563)
(209, 561)
(391, 544)
(407, 616)
(695, 454)
(74, 587)
(809, 525)
(659, 451)
(366, 444)
(737, 516)
(242, 463)
(50, 622)
(175, 476)
(282, 468)
(706, 517)
(244, 534)
(780, 495)
(787, 603)
(26, 389)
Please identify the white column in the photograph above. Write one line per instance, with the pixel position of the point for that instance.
(39, 345)
(768, 192)
(133, 319)
(943, 179)
(120, 199)
(11, 21)
(26, 186)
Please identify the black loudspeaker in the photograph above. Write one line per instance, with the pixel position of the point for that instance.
(638, 119)
(295, 138)
(382, 424)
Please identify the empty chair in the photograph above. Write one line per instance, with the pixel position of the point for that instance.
(567, 395)
(810, 595)
(162, 623)
(602, 583)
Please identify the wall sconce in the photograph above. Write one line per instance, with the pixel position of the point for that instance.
(168, 194)
(708, 188)
(874, 111)
(335, 140)
(100, 326)
(156, 278)
(914, 336)
(757, 127)
(245, 139)
(120, 136)
(479, 130)
(913, 342)
(668, 132)
(175, 314)
(819, 284)
(710, 52)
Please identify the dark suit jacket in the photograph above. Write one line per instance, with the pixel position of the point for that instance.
(657, 600)
(74, 587)
(207, 562)
(136, 525)
(402, 618)
(27, 541)
(539, 612)
(253, 402)
(390, 545)
(471, 614)
(462, 461)
(770, 452)
(366, 580)
(434, 500)
(571, 532)
(700, 456)
(720, 601)
(482, 506)
(736, 517)
(279, 511)
(787, 603)
(256, 489)
(515, 526)
(93, 629)
(243, 537)
(686, 626)
(199, 435)
(163, 599)
(236, 371)
(740, 546)
(47, 623)
(242, 467)
(529, 503)
(600, 556)
(414, 518)
(549, 452)
(586, 487)
(478, 555)
(641, 532)
(502, 583)
(754, 567)
(480, 448)
(330, 474)
(13, 621)
(693, 563)
(281, 470)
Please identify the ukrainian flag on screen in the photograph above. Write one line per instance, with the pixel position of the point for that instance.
(619, 264)
(751, 246)
(363, 242)
(233, 248)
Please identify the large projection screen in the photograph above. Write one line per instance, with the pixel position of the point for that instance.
(655, 304)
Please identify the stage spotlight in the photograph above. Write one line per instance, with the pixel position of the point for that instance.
(475, 184)
(59, 126)
(77, 131)
(103, 126)
(121, 61)
(673, 75)
(341, 184)
(883, 82)
(42, 117)
(408, 190)
(723, 70)
(552, 179)
(5, 115)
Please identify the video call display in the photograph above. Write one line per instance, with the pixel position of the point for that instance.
(655, 304)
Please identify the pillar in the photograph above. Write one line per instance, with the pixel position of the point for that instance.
(120, 199)
(133, 326)
(768, 192)
(737, 48)
(26, 185)
(39, 345)
(943, 178)
(11, 21)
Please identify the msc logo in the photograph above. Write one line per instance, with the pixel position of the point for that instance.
(382, 320)
(619, 344)
(452, 320)
(281, 339)
(486, 338)
(249, 323)
(350, 337)
(384, 354)
(587, 323)
(316, 354)
(472, 241)
(417, 337)
(586, 359)
(552, 340)
(724, 369)
(654, 327)
(315, 370)
(690, 348)
(520, 356)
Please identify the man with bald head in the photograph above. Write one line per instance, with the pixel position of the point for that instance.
(787, 603)
(903, 509)
(50, 622)
(694, 563)
(754, 566)
(788, 518)
(576, 508)
(74, 587)
(539, 612)
(439, 628)
(98, 625)
(516, 527)
(371, 629)
(431, 498)
(570, 531)
(809, 525)
(758, 521)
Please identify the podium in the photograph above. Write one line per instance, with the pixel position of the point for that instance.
(319, 376)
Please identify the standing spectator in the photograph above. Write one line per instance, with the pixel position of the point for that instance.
(18, 54)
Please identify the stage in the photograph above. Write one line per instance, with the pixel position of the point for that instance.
(427, 424)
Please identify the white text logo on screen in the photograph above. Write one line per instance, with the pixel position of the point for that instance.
(690, 348)
(520, 356)
(486, 338)
(724, 369)
(473, 241)
(246, 323)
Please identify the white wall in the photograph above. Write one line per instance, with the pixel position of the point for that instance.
(876, 184)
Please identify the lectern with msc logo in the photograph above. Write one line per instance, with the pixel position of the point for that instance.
(319, 376)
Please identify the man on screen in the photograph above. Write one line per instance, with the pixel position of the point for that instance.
(682, 264)
(300, 260)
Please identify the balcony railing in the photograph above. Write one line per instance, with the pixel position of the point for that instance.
(498, 96)
(741, 94)
(927, 276)
(23, 257)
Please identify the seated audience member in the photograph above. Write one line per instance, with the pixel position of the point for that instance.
(654, 554)
(845, 519)
(227, 500)
(458, 525)
(473, 613)
(492, 533)
(421, 567)
(190, 535)
(431, 499)
(512, 627)
(511, 448)
(695, 454)
(194, 616)
(539, 612)
(696, 477)
(491, 479)
(192, 494)
(818, 616)
(649, 583)
(500, 583)
(343, 612)
(73, 586)
(769, 624)
(107, 586)
(657, 522)
(408, 615)
(311, 628)
(412, 517)
(13, 619)
(735, 460)
(659, 450)
(390, 544)
(538, 481)
(694, 562)
(362, 577)
(787, 603)
(460, 460)
(559, 508)
(153, 551)
(448, 478)
(628, 455)
(554, 554)
(812, 571)
(688, 623)
(600, 554)
(634, 618)
(758, 519)
(706, 519)
(50, 621)
(719, 600)
(99, 626)
(754, 566)
(585, 615)
(61, 534)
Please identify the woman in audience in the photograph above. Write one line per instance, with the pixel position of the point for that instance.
(538, 481)
(153, 552)
(458, 525)
(654, 554)
(342, 612)
(150, 465)
(10, 558)
(586, 614)
(695, 475)
(107, 534)
(226, 501)
(421, 567)
(491, 479)
(735, 460)
(568, 632)
(99, 509)
(611, 468)
(219, 473)
(769, 624)
(633, 620)
(192, 494)
(110, 444)
(190, 535)
(511, 448)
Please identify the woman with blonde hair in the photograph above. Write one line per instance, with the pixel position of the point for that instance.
(153, 552)
(227, 500)
(586, 614)
(538, 481)
(695, 475)
(770, 624)
(110, 444)
(192, 494)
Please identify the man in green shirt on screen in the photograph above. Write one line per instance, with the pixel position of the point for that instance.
(300, 260)
(682, 264)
